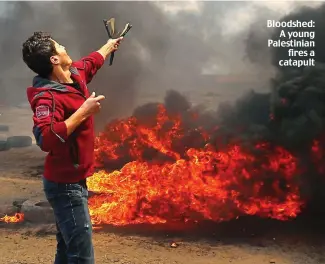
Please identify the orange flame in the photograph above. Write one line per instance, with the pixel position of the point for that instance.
(200, 183)
(17, 218)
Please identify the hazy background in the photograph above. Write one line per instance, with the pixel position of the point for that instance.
(210, 51)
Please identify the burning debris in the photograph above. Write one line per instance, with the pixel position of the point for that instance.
(173, 245)
(17, 218)
(174, 169)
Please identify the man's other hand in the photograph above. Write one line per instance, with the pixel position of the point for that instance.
(92, 105)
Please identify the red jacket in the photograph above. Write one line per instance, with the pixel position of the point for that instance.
(70, 158)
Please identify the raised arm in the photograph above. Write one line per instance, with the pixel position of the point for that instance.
(95, 60)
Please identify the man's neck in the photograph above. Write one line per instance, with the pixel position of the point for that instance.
(61, 75)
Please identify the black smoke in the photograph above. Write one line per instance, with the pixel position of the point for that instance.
(299, 92)
(297, 103)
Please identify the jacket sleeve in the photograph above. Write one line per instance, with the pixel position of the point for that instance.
(90, 64)
(49, 128)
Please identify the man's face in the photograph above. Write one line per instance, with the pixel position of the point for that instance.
(62, 58)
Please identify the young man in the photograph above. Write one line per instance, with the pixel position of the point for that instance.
(64, 127)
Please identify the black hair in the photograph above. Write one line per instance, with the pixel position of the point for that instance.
(37, 51)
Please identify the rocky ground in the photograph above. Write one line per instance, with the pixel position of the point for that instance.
(244, 241)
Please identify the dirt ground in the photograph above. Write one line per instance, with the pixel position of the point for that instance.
(244, 241)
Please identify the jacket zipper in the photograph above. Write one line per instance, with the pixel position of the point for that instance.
(74, 151)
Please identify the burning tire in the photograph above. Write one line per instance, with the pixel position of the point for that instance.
(4, 128)
(19, 141)
(38, 212)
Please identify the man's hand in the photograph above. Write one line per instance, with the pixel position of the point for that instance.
(91, 105)
(114, 43)
(111, 46)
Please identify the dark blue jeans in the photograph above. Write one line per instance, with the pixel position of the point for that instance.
(74, 229)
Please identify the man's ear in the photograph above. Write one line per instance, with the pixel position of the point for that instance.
(54, 60)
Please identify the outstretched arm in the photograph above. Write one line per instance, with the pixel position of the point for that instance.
(95, 60)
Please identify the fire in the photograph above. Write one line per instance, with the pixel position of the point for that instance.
(160, 175)
(17, 218)
(161, 170)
